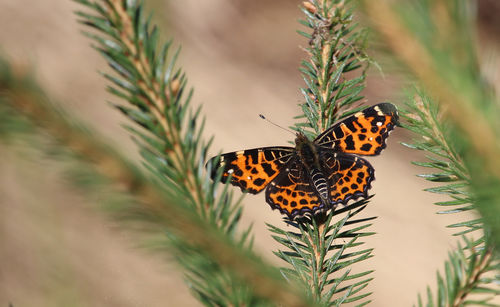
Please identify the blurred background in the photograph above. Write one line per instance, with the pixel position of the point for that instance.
(242, 58)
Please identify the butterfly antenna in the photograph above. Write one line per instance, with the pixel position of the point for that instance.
(272, 123)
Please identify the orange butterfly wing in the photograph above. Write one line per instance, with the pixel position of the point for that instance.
(292, 192)
(363, 133)
(252, 169)
(350, 177)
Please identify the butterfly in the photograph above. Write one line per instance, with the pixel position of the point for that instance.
(314, 175)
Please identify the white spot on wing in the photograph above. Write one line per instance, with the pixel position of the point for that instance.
(370, 139)
(249, 177)
(230, 171)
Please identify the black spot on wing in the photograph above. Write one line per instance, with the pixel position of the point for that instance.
(259, 181)
(338, 133)
(349, 143)
(230, 156)
(366, 147)
(345, 164)
(350, 125)
(268, 169)
(253, 156)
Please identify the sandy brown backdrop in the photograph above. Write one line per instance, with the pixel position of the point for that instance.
(242, 59)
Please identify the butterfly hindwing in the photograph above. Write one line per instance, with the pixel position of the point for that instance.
(252, 169)
(292, 193)
(363, 133)
(349, 176)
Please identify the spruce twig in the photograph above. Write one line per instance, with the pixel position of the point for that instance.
(168, 133)
(320, 250)
(336, 47)
(467, 273)
(469, 268)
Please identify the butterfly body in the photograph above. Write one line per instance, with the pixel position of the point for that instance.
(307, 153)
(318, 174)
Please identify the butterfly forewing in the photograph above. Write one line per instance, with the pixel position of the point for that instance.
(252, 169)
(363, 133)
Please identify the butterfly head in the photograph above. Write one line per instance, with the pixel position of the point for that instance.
(301, 138)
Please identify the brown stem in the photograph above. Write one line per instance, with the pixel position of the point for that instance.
(473, 279)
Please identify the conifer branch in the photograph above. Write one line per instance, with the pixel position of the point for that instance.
(321, 249)
(336, 47)
(424, 118)
(169, 131)
(153, 84)
(466, 273)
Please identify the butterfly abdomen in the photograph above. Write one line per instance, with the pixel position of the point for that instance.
(308, 154)
(320, 183)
